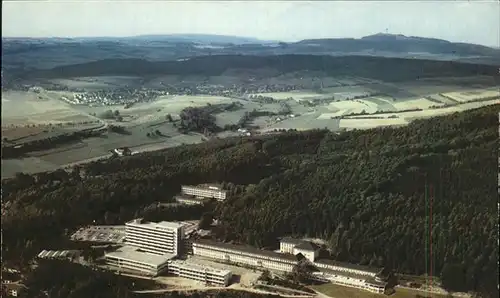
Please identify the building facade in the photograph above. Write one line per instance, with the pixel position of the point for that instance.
(350, 280)
(205, 191)
(209, 276)
(296, 246)
(347, 268)
(189, 200)
(131, 258)
(157, 238)
(244, 255)
(350, 275)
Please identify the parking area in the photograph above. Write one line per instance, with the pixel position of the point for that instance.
(244, 276)
(107, 234)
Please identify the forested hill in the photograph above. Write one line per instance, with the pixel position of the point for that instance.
(369, 193)
(391, 69)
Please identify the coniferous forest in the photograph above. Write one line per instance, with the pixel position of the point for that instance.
(417, 199)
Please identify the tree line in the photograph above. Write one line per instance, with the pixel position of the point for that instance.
(368, 193)
(395, 69)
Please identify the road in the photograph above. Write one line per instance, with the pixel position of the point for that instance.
(201, 289)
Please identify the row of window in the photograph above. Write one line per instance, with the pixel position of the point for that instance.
(206, 280)
(196, 272)
(247, 260)
(251, 255)
(151, 241)
(149, 232)
(152, 270)
(337, 268)
(204, 192)
(152, 247)
(134, 262)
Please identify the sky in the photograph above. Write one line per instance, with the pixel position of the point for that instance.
(473, 21)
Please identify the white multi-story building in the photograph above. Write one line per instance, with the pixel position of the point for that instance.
(346, 267)
(351, 280)
(189, 200)
(132, 258)
(157, 238)
(295, 246)
(351, 275)
(244, 255)
(287, 244)
(205, 191)
(209, 276)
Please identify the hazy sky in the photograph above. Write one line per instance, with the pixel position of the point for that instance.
(475, 21)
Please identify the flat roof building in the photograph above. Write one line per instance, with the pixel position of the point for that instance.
(295, 246)
(207, 275)
(157, 238)
(347, 267)
(205, 191)
(132, 258)
(246, 255)
(353, 280)
(346, 274)
(189, 200)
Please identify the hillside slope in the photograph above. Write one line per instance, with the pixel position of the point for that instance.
(50, 52)
(391, 69)
(369, 193)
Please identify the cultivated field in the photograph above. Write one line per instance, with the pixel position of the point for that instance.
(21, 108)
(471, 95)
(40, 110)
(353, 106)
(98, 83)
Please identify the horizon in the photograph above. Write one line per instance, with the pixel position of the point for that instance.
(224, 35)
(454, 21)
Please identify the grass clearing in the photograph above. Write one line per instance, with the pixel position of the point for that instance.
(338, 291)
(420, 103)
(353, 106)
(466, 96)
(20, 108)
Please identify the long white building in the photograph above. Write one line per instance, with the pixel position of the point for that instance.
(157, 238)
(345, 274)
(360, 281)
(244, 255)
(190, 200)
(346, 267)
(205, 191)
(209, 276)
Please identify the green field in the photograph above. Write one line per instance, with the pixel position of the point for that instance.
(338, 291)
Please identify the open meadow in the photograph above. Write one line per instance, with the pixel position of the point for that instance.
(338, 291)
(28, 116)
(20, 108)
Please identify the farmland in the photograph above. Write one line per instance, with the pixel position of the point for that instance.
(30, 108)
(342, 104)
